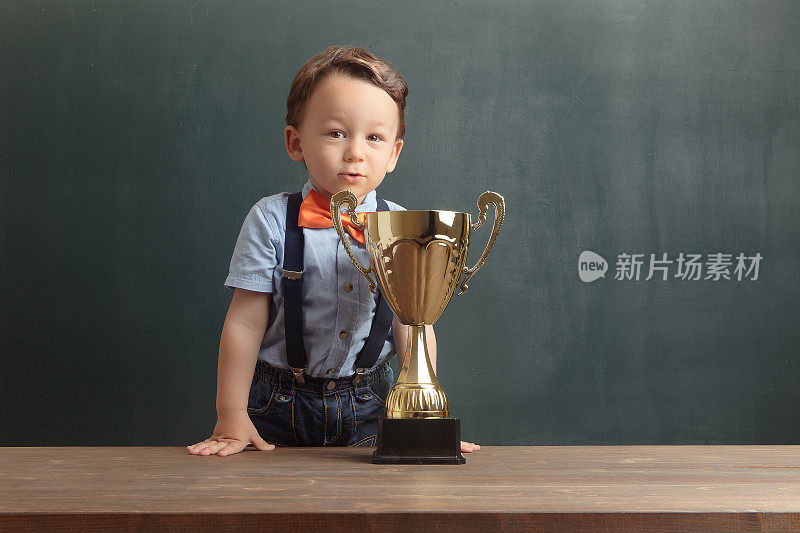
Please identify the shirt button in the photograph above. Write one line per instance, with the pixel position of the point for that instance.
(343, 334)
(329, 371)
(348, 287)
(330, 385)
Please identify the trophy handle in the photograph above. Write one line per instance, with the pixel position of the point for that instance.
(349, 199)
(499, 204)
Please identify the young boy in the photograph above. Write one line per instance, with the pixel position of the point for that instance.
(302, 319)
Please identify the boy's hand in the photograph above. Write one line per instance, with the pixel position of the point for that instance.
(231, 435)
(467, 447)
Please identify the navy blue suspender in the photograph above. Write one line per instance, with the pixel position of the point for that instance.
(293, 288)
(293, 300)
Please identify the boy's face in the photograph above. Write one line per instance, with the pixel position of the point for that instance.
(347, 136)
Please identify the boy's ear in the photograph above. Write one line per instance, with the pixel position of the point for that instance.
(292, 139)
(398, 145)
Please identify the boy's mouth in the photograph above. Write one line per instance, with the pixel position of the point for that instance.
(351, 177)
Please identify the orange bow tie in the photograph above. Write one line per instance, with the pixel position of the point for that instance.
(315, 212)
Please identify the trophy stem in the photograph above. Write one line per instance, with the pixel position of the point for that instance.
(417, 365)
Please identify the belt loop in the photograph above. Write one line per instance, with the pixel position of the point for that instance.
(298, 374)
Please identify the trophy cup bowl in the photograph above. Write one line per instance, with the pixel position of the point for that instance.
(417, 259)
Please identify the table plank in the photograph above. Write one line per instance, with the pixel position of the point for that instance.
(754, 488)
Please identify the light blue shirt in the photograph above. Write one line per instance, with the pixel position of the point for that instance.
(336, 322)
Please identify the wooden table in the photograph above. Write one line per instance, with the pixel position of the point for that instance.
(550, 488)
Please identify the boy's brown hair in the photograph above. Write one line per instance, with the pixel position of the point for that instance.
(349, 61)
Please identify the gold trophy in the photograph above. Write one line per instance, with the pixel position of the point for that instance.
(417, 258)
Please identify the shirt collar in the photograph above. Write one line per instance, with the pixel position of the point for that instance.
(370, 202)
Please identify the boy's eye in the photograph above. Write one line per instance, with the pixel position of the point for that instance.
(374, 137)
(336, 134)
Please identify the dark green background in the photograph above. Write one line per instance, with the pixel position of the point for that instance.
(135, 136)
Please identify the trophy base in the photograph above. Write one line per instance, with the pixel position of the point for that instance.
(419, 441)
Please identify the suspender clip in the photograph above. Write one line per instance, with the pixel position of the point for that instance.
(298, 374)
(291, 274)
(360, 372)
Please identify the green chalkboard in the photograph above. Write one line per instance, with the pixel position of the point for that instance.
(135, 137)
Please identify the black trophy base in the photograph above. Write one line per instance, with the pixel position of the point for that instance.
(419, 441)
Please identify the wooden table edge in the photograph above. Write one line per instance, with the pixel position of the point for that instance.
(405, 521)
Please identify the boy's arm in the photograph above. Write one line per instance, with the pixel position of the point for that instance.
(242, 334)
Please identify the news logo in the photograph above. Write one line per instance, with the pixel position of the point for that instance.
(591, 266)
(716, 266)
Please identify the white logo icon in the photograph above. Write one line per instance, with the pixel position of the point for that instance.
(591, 266)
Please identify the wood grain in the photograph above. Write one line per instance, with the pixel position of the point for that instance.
(733, 488)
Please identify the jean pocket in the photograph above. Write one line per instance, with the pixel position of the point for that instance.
(367, 408)
(261, 398)
(365, 394)
(381, 387)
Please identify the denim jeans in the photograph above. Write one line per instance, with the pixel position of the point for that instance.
(319, 412)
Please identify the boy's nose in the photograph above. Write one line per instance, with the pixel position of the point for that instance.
(354, 151)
